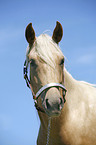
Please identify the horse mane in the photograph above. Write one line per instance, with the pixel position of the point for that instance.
(89, 84)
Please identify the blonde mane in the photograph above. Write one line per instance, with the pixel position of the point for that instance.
(92, 85)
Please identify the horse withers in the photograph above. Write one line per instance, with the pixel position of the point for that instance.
(73, 122)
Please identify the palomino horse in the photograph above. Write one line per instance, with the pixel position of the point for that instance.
(73, 122)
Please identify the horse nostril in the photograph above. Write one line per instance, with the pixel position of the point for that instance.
(47, 104)
(60, 106)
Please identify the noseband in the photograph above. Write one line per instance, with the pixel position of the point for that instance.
(41, 90)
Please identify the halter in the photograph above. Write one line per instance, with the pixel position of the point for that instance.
(41, 90)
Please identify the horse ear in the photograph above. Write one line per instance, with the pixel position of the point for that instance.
(57, 33)
(30, 34)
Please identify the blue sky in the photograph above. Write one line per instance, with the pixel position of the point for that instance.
(19, 122)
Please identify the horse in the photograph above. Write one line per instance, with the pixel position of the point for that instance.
(72, 113)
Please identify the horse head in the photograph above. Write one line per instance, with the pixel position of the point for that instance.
(46, 66)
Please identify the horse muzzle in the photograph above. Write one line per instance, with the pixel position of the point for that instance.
(52, 101)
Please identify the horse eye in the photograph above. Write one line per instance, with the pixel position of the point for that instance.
(62, 61)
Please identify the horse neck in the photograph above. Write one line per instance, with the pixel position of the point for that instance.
(72, 88)
(69, 81)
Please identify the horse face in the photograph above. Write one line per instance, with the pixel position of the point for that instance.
(46, 66)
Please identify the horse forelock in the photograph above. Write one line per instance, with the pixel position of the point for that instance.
(45, 48)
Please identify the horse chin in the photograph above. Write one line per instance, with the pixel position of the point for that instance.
(53, 114)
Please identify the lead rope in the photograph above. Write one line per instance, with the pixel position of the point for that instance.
(48, 130)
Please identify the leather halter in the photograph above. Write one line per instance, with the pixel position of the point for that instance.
(41, 90)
